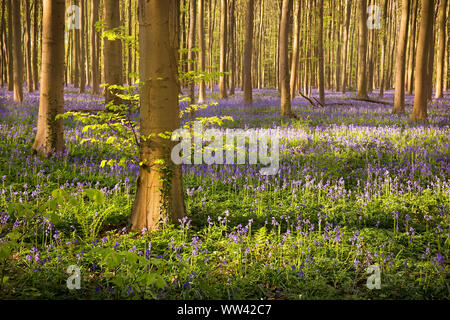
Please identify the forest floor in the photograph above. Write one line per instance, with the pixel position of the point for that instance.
(358, 186)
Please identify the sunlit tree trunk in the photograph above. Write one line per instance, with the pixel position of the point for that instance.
(95, 43)
(49, 136)
(321, 57)
(295, 49)
(112, 50)
(441, 72)
(35, 45)
(362, 50)
(223, 49)
(248, 51)
(9, 47)
(201, 44)
(191, 46)
(399, 98)
(283, 60)
(419, 112)
(17, 51)
(159, 186)
(27, 38)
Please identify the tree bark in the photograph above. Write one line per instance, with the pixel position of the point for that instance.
(399, 97)
(441, 73)
(95, 43)
(27, 38)
(283, 60)
(112, 50)
(320, 53)
(223, 49)
(362, 50)
(295, 49)
(9, 47)
(419, 113)
(35, 44)
(191, 46)
(17, 52)
(248, 51)
(49, 136)
(202, 53)
(159, 191)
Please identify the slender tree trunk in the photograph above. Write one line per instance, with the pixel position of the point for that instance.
(81, 34)
(284, 63)
(202, 53)
(35, 45)
(49, 136)
(17, 52)
(295, 49)
(159, 191)
(321, 58)
(9, 47)
(233, 47)
(223, 49)
(191, 46)
(419, 112)
(399, 98)
(412, 50)
(112, 50)
(3, 58)
(247, 67)
(95, 43)
(27, 10)
(441, 72)
(348, 11)
(362, 50)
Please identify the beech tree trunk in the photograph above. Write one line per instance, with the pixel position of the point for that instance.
(9, 47)
(320, 53)
(159, 191)
(441, 72)
(49, 136)
(283, 60)
(95, 43)
(419, 113)
(223, 49)
(201, 45)
(295, 49)
(248, 51)
(112, 52)
(35, 45)
(191, 46)
(362, 50)
(399, 98)
(17, 51)
(28, 45)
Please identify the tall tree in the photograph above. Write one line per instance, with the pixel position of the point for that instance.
(348, 11)
(223, 48)
(49, 136)
(362, 50)
(17, 51)
(383, 50)
(27, 38)
(419, 113)
(295, 48)
(36, 8)
(320, 53)
(441, 71)
(248, 51)
(159, 186)
(95, 44)
(112, 50)
(80, 36)
(284, 60)
(191, 47)
(201, 46)
(399, 97)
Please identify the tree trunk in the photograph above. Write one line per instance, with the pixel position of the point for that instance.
(159, 186)
(223, 49)
(17, 52)
(9, 47)
(233, 47)
(27, 38)
(362, 50)
(284, 63)
(320, 53)
(49, 136)
(3, 59)
(112, 50)
(412, 50)
(295, 49)
(202, 53)
(95, 43)
(441, 72)
(419, 113)
(399, 98)
(81, 33)
(248, 51)
(35, 45)
(191, 46)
